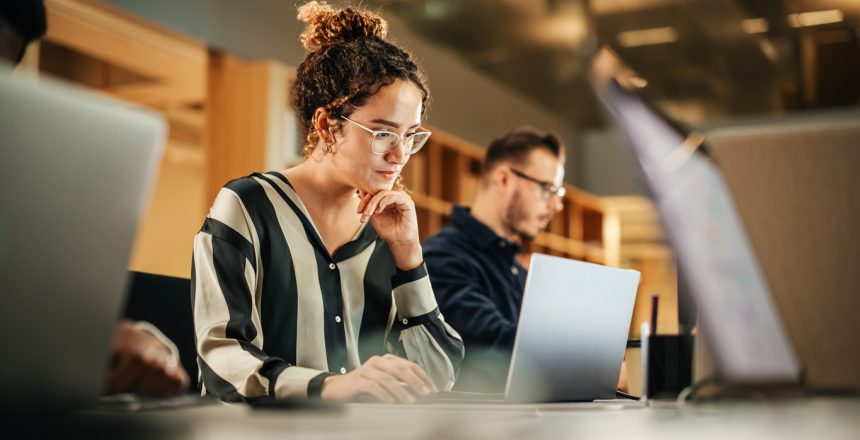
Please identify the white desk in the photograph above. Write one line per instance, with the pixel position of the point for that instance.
(816, 418)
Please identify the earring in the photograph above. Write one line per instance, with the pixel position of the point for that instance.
(329, 147)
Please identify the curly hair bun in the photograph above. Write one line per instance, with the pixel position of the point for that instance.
(327, 25)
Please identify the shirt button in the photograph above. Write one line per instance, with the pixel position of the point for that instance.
(342, 370)
(332, 266)
(514, 270)
(405, 321)
(337, 319)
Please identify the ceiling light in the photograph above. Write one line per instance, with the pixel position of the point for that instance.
(806, 19)
(647, 37)
(755, 25)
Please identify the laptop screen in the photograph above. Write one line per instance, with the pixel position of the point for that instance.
(735, 306)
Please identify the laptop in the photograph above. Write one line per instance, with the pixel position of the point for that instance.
(735, 305)
(76, 171)
(571, 334)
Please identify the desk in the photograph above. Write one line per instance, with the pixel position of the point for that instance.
(836, 418)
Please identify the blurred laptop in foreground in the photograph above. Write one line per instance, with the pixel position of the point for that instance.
(75, 173)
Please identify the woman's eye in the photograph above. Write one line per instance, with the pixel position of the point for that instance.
(409, 134)
(384, 134)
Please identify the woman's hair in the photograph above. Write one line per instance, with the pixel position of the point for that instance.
(349, 61)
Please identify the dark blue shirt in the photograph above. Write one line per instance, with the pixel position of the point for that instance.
(479, 288)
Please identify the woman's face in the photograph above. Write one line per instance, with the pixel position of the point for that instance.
(395, 108)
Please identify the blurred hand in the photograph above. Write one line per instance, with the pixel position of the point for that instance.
(392, 214)
(389, 378)
(622, 378)
(142, 364)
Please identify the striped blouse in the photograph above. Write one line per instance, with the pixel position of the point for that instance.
(274, 313)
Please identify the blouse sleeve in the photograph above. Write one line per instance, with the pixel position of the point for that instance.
(419, 331)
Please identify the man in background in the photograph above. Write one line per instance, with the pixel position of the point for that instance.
(143, 360)
(472, 262)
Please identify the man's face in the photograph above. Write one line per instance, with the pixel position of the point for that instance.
(531, 207)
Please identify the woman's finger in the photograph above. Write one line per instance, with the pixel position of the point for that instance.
(365, 199)
(391, 385)
(418, 371)
(370, 209)
(378, 391)
(406, 374)
(390, 199)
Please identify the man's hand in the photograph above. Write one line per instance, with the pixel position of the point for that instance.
(389, 378)
(142, 364)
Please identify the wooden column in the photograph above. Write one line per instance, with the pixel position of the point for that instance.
(246, 108)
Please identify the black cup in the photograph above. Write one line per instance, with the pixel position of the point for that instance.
(670, 365)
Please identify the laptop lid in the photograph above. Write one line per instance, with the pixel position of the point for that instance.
(734, 302)
(572, 331)
(75, 172)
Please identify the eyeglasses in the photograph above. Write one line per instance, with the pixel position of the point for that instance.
(385, 141)
(548, 190)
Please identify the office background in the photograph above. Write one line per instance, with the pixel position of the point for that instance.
(219, 70)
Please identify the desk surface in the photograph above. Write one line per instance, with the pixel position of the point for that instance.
(837, 418)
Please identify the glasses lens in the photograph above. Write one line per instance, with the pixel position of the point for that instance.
(384, 141)
(416, 141)
(553, 192)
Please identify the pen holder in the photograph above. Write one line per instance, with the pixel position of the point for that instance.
(667, 365)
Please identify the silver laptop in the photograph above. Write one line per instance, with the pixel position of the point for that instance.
(572, 331)
(75, 173)
(571, 334)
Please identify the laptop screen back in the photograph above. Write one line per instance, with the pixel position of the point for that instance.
(572, 331)
(734, 302)
(75, 171)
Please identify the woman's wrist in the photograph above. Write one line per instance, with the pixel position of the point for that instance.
(407, 255)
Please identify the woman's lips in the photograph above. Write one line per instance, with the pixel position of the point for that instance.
(388, 174)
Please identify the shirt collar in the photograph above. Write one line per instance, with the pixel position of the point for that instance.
(480, 233)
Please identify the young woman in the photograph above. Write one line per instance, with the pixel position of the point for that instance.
(311, 282)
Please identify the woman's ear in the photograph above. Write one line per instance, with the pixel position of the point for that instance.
(324, 126)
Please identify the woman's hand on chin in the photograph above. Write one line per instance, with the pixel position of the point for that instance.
(392, 214)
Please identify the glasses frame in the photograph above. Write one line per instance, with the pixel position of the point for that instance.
(400, 139)
(548, 189)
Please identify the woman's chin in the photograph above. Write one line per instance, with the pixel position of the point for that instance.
(375, 187)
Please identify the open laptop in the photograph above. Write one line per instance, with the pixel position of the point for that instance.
(75, 173)
(736, 309)
(571, 334)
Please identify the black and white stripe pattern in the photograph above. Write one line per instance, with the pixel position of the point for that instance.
(274, 313)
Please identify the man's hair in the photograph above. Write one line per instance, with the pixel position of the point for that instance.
(26, 18)
(516, 145)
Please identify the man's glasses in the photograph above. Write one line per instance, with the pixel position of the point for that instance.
(385, 141)
(548, 190)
